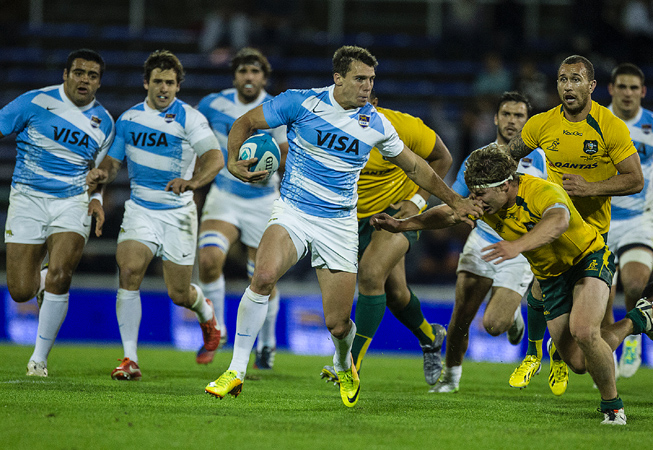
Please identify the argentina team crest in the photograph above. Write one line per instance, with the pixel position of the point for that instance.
(169, 117)
(95, 121)
(591, 147)
(364, 120)
(646, 128)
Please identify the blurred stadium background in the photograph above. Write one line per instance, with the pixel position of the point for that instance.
(444, 61)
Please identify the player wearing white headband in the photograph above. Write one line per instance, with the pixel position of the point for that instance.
(569, 257)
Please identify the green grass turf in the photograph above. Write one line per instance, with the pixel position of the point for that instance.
(80, 407)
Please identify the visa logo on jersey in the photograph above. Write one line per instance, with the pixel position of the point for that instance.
(148, 139)
(68, 136)
(332, 140)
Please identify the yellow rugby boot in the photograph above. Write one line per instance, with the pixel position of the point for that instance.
(227, 383)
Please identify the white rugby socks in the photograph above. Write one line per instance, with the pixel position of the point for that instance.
(252, 311)
(51, 316)
(202, 309)
(342, 356)
(129, 312)
(267, 337)
(215, 291)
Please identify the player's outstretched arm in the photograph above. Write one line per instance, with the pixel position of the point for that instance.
(555, 221)
(440, 161)
(418, 170)
(441, 216)
(208, 166)
(243, 128)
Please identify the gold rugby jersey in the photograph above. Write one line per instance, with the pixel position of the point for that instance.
(589, 148)
(382, 183)
(534, 196)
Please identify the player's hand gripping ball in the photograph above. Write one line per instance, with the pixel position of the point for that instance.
(265, 148)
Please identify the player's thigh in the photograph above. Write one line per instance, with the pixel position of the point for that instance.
(502, 305)
(23, 267)
(132, 257)
(383, 253)
(275, 255)
(589, 305)
(65, 250)
(471, 290)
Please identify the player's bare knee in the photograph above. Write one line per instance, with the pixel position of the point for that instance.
(339, 327)
(634, 289)
(577, 366)
(370, 279)
(263, 281)
(22, 292)
(585, 336)
(180, 297)
(495, 325)
(58, 279)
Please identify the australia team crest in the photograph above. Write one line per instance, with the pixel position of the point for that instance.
(591, 147)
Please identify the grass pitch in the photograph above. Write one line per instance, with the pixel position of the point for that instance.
(80, 407)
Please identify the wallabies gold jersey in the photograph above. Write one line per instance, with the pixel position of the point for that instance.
(534, 196)
(382, 183)
(589, 148)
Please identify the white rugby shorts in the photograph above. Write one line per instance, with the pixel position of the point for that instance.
(31, 219)
(333, 242)
(514, 274)
(637, 230)
(249, 215)
(169, 233)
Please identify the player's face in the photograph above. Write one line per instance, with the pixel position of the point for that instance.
(627, 93)
(353, 90)
(491, 199)
(510, 120)
(249, 81)
(574, 87)
(82, 81)
(162, 87)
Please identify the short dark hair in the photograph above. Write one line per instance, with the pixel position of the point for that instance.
(626, 69)
(250, 56)
(488, 165)
(164, 60)
(345, 55)
(514, 96)
(577, 59)
(86, 54)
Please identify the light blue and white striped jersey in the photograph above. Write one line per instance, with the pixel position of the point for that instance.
(222, 110)
(160, 146)
(328, 147)
(641, 132)
(57, 142)
(532, 164)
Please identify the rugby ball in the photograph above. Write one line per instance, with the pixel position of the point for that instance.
(265, 148)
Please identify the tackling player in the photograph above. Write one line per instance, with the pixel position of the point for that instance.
(569, 257)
